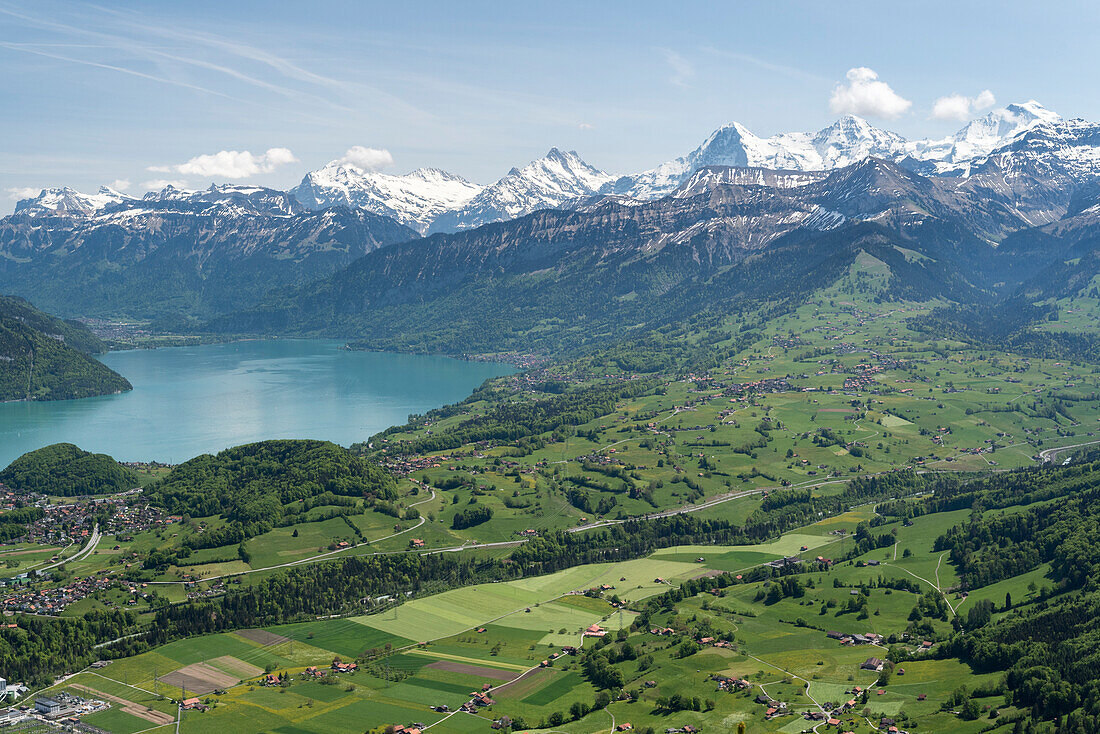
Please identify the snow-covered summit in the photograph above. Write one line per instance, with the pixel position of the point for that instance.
(64, 200)
(414, 199)
(851, 139)
(236, 199)
(981, 136)
(1002, 148)
(842, 143)
(555, 180)
(848, 140)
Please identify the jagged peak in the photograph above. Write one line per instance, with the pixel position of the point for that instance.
(873, 168)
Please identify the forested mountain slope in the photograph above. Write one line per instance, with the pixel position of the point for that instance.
(45, 358)
(197, 254)
(559, 278)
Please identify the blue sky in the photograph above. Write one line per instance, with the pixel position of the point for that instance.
(131, 92)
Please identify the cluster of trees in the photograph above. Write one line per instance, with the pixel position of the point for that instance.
(471, 516)
(598, 668)
(1050, 650)
(993, 547)
(788, 587)
(1008, 326)
(783, 497)
(38, 648)
(261, 485)
(342, 586)
(323, 588)
(63, 469)
(582, 500)
(13, 524)
(513, 421)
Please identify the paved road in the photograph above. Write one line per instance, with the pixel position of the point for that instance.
(311, 559)
(670, 513)
(1048, 455)
(720, 499)
(84, 552)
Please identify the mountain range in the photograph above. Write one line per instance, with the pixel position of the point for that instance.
(431, 200)
(726, 238)
(381, 256)
(177, 253)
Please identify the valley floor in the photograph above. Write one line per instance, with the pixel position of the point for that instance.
(439, 650)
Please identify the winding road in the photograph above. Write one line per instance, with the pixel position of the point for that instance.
(87, 550)
(1048, 455)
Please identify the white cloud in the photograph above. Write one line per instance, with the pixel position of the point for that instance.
(369, 159)
(984, 100)
(682, 70)
(160, 183)
(586, 126)
(960, 107)
(22, 192)
(951, 107)
(231, 164)
(119, 184)
(865, 94)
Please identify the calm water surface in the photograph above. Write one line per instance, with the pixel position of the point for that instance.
(192, 400)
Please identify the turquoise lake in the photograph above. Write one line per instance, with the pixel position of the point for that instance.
(192, 400)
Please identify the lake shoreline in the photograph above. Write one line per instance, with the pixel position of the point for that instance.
(200, 399)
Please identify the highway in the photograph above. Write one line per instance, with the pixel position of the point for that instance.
(87, 550)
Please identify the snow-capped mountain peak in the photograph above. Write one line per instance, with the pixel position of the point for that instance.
(851, 139)
(414, 199)
(981, 136)
(557, 174)
(996, 128)
(64, 200)
(997, 150)
(552, 181)
(169, 193)
(846, 141)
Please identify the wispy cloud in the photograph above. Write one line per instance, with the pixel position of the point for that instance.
(22, 192)
(190, 59)
(682, 70)
(765, 64)
(26, 48)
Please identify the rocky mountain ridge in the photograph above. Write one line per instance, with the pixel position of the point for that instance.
(996, 149)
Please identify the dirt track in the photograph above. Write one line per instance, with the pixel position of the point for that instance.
(263, 637)
(467, 669)
(143, 712)
(199, 679)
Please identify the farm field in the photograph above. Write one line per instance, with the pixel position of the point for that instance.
(827, 398)
(840, 387)
(506, 603)
(508, 638)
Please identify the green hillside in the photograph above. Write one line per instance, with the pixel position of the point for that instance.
(267, 484)
(64, 469)
(46, 358)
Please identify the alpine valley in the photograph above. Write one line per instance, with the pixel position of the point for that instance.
(802, 435)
